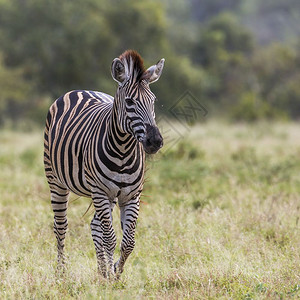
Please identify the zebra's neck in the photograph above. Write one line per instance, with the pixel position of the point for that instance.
(118, 141)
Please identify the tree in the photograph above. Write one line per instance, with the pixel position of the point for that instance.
(277, 71)
(60, 49)
(13, 88)
(222, 50)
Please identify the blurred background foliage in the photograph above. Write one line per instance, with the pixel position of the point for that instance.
(239, 58)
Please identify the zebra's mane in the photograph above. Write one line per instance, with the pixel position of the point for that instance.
(134, 62)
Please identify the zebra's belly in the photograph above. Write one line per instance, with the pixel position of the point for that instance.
(82, 179)
(119, 186)
(76, 182)
(127, 194)
(124, 194)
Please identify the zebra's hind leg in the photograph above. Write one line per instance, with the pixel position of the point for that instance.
(103, 233)
(129, 214)
(59, 202)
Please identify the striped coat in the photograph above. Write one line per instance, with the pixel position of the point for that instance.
(95, 147)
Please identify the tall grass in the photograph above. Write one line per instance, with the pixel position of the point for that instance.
(219, 219)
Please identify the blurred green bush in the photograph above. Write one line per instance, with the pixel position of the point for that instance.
(50, 47)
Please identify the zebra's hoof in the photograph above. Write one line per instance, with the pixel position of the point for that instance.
(117, 270)
(60, 269)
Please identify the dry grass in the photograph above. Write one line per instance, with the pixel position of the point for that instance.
(221, 222)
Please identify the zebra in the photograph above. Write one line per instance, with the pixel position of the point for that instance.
(94, 146)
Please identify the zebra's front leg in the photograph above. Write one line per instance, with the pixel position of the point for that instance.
(129, 214)
(59, 202)
(103, 233)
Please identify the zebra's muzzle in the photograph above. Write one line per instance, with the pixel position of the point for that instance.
(153, 140)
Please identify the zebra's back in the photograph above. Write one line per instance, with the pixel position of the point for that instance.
(70, 123)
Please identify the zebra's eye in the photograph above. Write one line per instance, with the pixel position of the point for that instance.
(129, 101)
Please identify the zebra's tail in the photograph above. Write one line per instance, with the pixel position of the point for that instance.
(47, 162)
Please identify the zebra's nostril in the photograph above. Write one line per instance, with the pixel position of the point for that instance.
(157, 143)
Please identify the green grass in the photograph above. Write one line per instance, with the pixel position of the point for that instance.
(219, 220)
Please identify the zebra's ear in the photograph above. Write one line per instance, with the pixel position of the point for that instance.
(153, 73)
(118, 71)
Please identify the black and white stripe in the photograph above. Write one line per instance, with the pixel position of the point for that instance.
(95, 146)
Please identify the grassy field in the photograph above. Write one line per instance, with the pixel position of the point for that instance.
(219, 219)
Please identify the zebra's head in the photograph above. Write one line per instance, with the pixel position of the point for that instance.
(134, 101)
